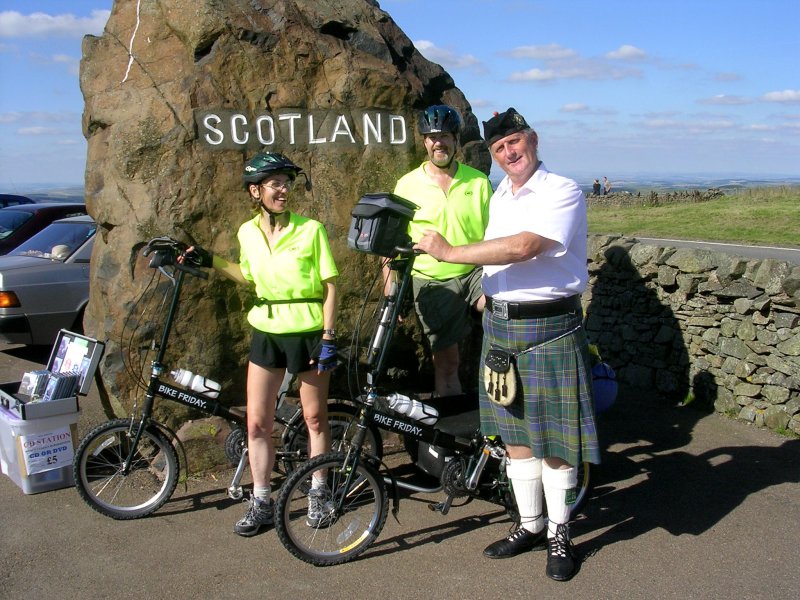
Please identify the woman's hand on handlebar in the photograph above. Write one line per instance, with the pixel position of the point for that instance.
(196, 256)
(434, 244)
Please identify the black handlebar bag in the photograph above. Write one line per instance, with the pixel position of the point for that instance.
(379, 224)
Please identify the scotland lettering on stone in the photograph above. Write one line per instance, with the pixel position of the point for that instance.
(230, 129)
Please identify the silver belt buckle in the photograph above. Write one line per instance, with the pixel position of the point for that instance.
(500, 309)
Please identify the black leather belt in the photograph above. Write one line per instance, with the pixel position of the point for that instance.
(531, 310)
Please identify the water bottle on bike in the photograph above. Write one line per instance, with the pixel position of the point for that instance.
(413, 408)
(198, 383)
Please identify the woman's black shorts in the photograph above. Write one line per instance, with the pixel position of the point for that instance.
(291, 351)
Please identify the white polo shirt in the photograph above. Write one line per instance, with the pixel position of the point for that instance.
(550, 206)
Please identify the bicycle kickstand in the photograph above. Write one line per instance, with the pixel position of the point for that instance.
(235, 491)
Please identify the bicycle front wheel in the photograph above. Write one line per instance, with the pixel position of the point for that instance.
(349, 516)
(342, 421)
(101, 481)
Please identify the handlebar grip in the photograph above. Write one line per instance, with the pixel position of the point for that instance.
(407, 250)
(192, 271)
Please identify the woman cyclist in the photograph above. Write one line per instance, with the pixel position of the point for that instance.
(288, 260)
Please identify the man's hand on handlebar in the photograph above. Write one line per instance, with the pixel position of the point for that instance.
(433, 244)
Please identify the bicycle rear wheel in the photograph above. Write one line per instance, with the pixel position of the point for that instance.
(583, 488)
(99, 477)
(353, 512)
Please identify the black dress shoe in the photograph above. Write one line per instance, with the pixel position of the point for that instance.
(518, 542)
(562, 561)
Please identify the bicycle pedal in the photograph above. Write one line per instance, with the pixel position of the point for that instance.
(441, 507)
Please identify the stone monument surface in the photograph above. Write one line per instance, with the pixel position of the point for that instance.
(178, 95)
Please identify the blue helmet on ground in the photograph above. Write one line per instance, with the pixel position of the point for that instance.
(604, 387)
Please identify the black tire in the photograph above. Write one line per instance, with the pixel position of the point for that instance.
(583, 488)
(346, 531)
(235, 443)
(98, 470)
(343, 427)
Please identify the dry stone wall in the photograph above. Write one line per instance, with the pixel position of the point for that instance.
(689, 324)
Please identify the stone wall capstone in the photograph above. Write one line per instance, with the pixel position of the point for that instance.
(178, 95)
(683, 323)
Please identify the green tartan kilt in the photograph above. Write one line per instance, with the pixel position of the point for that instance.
(553, 413)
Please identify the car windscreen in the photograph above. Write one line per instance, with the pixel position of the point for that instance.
(11, 220)
(57, 241)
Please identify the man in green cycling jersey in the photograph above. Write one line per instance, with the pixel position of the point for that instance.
(453, 199)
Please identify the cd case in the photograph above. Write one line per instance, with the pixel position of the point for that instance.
(52, 391)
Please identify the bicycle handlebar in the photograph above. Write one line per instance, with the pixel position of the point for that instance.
(407, 251)
(165, 251)
(192, 271)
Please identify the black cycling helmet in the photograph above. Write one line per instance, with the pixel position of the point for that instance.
(267, 163)
(439, 118)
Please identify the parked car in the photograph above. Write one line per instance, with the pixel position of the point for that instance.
(44, 283)
(14, 200)
(18, 223)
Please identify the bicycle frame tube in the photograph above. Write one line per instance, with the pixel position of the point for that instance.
(158, 388)
(379, 344)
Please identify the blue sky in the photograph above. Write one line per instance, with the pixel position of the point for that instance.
(614, 87)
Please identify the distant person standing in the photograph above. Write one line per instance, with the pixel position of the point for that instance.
(596, 187)
(606, 186)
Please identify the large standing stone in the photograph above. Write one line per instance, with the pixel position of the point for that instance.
(179, 94)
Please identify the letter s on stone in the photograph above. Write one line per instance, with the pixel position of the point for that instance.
(216, 137)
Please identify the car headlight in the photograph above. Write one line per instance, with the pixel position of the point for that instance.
(9, 300)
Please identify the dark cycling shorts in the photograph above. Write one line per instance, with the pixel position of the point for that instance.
(290, 351)
(444, 307)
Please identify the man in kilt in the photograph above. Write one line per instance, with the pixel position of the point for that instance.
(534, 270)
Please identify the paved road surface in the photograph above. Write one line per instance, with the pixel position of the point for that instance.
(686, 506)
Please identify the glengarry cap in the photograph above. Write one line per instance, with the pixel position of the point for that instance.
(503, 124)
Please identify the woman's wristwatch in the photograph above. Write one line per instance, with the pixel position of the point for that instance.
(331, 333)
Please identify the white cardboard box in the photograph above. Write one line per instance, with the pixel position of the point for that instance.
(37, 453)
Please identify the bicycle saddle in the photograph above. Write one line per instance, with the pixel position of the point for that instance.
(458, 415)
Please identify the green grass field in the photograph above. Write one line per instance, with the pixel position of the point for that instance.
(759, 216)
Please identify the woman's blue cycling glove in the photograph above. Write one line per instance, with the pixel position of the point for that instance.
(328, 356)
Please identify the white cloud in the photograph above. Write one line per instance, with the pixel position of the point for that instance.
(758, 127)
(447, 58)
(37, 130)
(480, 103)
(14, 24)
(585, 109)
(786, 96)
(10, 117)
(548, 52)
(39, 116)
(558, 62)
(73, 64)
(582, 69)
(724, 77)
(627, 52)
(725, 100)
(688, 126)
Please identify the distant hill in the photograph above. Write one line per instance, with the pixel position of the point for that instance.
(659, 183)
(62, 194)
